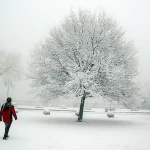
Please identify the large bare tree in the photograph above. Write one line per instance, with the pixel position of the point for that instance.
(86, 54)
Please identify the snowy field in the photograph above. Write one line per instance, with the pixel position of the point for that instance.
(59, 131)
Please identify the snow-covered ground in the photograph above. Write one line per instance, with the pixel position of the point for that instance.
(59, 131)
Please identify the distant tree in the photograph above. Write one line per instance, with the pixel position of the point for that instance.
(10, 69)
(145, 97)
(3, 67)
(86, 54)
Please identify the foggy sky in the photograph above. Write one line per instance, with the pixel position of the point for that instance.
(23, 23)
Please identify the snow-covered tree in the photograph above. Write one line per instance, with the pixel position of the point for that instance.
(145, 96)
(10, 69)
(86, 54)
(3, 67)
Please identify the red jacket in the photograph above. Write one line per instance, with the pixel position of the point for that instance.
(6, 113)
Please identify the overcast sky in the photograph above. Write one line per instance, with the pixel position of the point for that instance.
(24, 23)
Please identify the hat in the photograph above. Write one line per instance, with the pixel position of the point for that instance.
(9, 99)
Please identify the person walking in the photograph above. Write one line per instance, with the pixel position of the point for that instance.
(7, 112)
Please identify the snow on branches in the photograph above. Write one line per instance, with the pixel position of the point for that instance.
(86, 53)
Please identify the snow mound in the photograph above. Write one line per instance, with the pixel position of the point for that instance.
(46, 111)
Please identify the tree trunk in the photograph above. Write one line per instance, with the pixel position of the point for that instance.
(80, 116)
(110, 106)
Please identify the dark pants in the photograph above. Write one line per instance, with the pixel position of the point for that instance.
(7, 127)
